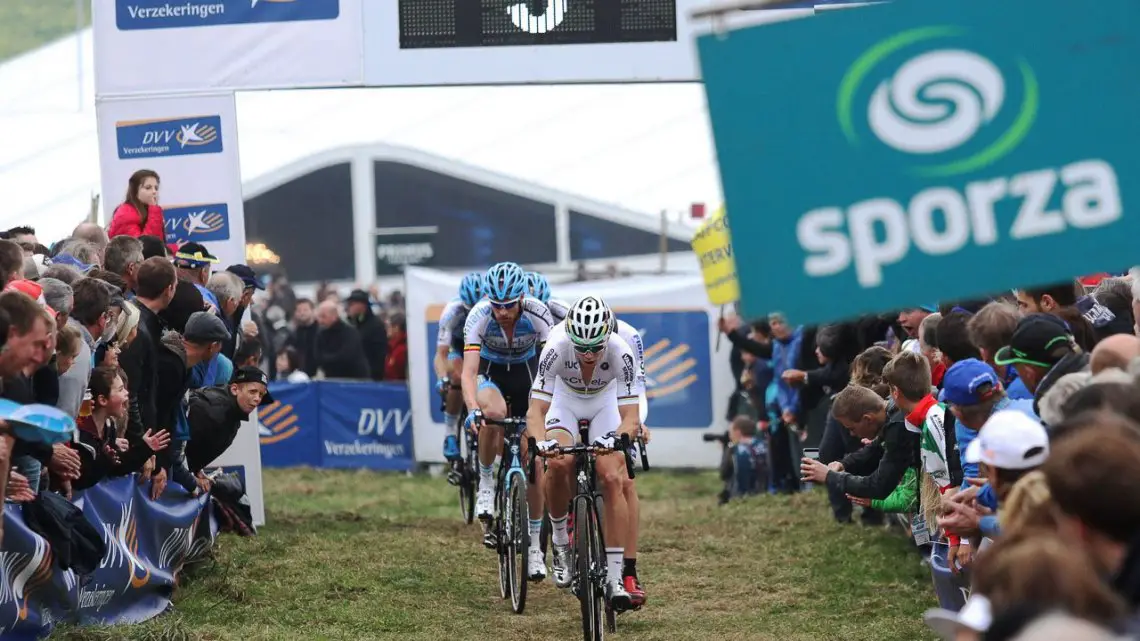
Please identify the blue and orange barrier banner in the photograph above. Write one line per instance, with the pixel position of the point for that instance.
(335, 423)
(148, 542)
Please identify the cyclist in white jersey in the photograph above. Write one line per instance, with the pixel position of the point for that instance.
(448, 360)
(502, 335)
(540, 289)
(632, 337)
(586, 372)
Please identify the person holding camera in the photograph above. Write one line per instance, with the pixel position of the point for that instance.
(744, 464)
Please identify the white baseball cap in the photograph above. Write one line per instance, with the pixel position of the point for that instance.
(974, 615)
(1010, 440)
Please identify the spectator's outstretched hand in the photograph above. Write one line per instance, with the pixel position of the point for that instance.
(146, 471)
(204, 482)
(728, 324)
(123, 444)
(18, 488)
(156, 442)
(794, 376)
(859, 500)
(64, 461)
(158, 484)
(812, 470)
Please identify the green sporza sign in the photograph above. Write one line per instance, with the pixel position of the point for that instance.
(880, 156)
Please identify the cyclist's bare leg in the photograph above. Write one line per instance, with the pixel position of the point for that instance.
(490, 436)
(558, 481)
(453, 401)
(633, 515)
(611, 472)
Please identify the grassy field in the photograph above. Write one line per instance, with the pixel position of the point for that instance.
(27, 24)
(359, 555)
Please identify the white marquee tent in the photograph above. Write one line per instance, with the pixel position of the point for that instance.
(643, 147)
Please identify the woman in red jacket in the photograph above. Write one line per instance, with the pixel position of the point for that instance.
(139, 215)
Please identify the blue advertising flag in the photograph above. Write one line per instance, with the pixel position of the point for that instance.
(875, 156)
(366, 424)
(290, 427)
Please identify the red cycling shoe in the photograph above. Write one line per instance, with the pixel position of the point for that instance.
(636, 592)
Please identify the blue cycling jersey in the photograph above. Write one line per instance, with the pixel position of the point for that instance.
(451, 322)
(483, 334)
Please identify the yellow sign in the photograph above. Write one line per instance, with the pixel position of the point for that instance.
(713, 245)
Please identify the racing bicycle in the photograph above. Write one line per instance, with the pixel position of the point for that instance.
(463, 473)
(509, 531)
(589, 549)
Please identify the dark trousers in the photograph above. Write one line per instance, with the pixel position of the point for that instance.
(837, 442)
(785, 466)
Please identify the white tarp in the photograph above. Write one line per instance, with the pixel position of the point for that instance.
(184, 46)
(689, 382)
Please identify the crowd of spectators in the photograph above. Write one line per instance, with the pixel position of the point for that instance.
(1004, 433)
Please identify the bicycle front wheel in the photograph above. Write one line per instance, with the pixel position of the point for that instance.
(591, 596)
(467, 471)
(518, 540)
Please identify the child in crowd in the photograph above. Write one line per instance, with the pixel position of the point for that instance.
(744, 467)
(66, 348)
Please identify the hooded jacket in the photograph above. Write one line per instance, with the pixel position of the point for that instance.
(215, 417)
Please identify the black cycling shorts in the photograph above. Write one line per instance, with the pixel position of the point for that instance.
(512, 380)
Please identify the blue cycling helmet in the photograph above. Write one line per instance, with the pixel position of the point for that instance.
(471, 289)
(539, 288)
(506, 282)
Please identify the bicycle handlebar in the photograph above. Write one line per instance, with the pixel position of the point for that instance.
(622, 445)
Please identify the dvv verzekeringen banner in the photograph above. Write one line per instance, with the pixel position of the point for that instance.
(873, 155)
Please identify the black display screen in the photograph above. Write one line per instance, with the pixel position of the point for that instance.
(445, 24)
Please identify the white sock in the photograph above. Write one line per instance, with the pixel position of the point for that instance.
(486, 476)
(559, 536)
(614, 558)
(449, 424)
(536, 534)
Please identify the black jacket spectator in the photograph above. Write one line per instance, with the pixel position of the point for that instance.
(215, 418)
(156, 284)
(373, 333)
(304, 340)
(45, 385)
(340, 352)
(874, 471)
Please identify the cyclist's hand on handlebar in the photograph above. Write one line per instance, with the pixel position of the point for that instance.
(606, 441)
(442, 384)
(548, 448)
(644, 433)
(475, 420)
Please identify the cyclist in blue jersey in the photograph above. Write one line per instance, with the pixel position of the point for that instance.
(448, 360)
(540, 289)
(502, 337)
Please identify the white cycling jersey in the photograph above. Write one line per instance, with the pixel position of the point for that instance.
(558, 309)
(451, 321)
(613, 383)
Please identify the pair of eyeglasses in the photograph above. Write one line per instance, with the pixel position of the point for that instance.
(507, 304)
(591, 349)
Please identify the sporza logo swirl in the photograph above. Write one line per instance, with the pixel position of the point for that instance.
(936, 103)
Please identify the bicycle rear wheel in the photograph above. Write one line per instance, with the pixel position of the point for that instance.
(591, 597)
(517, 531)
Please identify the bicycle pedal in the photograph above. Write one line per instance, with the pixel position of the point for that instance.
(453, 478)
(490, 541)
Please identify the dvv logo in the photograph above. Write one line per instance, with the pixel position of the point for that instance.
(277, 422)
(198, 223)
(169, 137)
(951, 108)
(132, 15)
